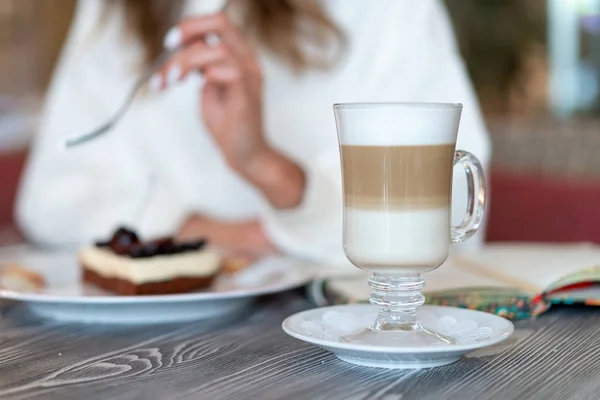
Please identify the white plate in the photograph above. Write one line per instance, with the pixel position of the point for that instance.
(67, 299)
(471, 329)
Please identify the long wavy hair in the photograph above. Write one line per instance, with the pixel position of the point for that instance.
(288, 28)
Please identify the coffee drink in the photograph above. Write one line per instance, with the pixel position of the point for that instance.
(397, 164)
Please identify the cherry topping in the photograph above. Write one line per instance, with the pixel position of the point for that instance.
(125, 237)
(126, 242)
(122, 239)
(168, 247)
(193, 245)
(140, 251)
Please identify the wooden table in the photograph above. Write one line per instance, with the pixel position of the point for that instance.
(554, 357)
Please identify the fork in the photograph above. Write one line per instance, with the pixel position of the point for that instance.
(112, 121)
(147, 74)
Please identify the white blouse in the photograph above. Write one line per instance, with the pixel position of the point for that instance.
(399, 50)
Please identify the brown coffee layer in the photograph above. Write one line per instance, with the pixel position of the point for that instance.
(128, 288)
(387, 177)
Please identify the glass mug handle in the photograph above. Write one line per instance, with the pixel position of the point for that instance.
(476, 197)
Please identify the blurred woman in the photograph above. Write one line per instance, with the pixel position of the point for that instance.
(237, 128)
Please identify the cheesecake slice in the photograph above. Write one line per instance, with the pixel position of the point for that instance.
(128, 266)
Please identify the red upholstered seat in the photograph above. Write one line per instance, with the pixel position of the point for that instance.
(11, 165)
(543, 208)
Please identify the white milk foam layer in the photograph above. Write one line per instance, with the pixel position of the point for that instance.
(398, 124)
(413, 241)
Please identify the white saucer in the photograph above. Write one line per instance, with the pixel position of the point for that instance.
(470, 329)
(67, 299)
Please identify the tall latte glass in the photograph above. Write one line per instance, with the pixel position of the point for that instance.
(397, 166)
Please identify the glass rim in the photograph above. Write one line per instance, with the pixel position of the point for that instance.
(409, 104)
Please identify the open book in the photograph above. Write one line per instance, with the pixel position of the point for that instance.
(512, 280)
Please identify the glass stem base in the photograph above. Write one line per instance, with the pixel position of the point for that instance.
(397, 299)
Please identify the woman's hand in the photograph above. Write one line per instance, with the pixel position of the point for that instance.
(232, 103)
(231, 97)
(245, 239)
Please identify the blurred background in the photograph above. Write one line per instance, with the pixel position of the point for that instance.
(535, 65)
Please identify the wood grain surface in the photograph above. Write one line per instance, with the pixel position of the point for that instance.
(554, 357)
